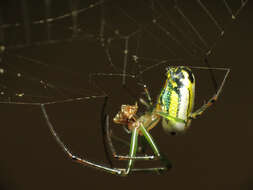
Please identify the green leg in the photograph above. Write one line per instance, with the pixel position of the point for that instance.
(150, 140)
(162, 157)
(131, 157)
(110, 136)
(133, 148)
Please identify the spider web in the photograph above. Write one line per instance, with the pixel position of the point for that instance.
(126, 38)
(72, 51)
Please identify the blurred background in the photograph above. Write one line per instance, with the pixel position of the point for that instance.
(48, 50)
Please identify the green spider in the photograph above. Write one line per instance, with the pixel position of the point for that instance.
(174, 108)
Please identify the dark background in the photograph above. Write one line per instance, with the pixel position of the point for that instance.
(215, 154)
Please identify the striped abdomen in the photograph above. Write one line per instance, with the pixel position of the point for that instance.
(176, 100)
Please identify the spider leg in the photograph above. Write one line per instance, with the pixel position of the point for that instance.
(77, 159)
(146, 91)
(134, 138)
(125, 86)
(113, 150)
(214, 98)
(107, 141)
(167, 164)
(115, 75)
(103, 121)
(133, 149)
(103, 114)
(142, 148)
(85, 162)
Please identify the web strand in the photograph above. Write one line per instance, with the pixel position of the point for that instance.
(135, 37)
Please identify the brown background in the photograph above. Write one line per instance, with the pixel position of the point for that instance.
(215, 154)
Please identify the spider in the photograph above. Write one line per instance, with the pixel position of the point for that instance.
(173, 108)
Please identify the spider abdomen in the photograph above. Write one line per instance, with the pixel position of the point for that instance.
(176, 100)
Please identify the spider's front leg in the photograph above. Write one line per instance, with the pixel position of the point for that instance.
(133, 148)
(131, 157)
(214, 98)
(146, 92)
(73, 157)
(126, 116)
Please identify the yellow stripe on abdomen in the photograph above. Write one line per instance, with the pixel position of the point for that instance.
(174, 103)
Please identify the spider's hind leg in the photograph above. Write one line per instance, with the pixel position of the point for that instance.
(110, 136)
(158, 155)
(131, 157)
(167, 164)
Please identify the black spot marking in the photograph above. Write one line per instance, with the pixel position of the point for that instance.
(190, 74)
(179, 83)
(178, 70)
